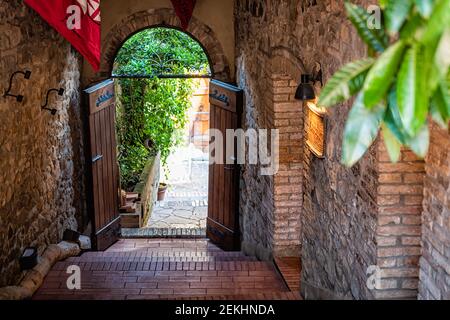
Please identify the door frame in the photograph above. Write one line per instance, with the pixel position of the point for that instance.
(88, 170)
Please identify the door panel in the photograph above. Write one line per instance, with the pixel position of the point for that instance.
(223, 212)
(103, 166)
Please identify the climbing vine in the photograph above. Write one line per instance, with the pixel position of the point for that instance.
(152, 112)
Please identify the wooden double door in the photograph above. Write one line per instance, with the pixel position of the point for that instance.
(104, 186)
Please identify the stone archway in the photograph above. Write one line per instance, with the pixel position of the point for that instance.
(165, 18)
(284, 62)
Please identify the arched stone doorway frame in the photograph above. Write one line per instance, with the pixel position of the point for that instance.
(163, 17)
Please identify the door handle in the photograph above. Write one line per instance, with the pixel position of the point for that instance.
(97, 158)
(229, 168)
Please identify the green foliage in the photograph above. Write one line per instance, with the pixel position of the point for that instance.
(411, 94)
(153, 109)
(381, 75)
(375, 39)
(407, 82)
(346, 82)
(160, 51)
(396, 13)
(361, 130)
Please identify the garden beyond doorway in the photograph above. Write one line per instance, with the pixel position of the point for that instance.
(162, 124)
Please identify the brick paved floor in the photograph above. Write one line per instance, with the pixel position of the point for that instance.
(167, 269)
(290, 269)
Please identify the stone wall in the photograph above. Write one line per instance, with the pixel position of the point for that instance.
(351, 220)
(338, 209)
(435, 261)
(256, 191)
(212, 25)
(40, 154)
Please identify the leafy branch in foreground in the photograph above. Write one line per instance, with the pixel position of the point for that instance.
(405, 83)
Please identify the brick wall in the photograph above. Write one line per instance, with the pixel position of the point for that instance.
(41, 191)
(435, 261)
(400, 196)
(270, 206)
(288, 191)
(337, 206)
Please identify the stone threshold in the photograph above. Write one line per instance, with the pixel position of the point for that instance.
(184, 233)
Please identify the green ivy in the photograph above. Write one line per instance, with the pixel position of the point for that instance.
(153, 109)
(405, 83)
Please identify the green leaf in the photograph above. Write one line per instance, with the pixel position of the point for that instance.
(425, 7)
(421, 142)
(396, 13)
(361, 130)
(392, 118)
(383, 3)
(381, 76)
(345, 83)
(393, 146)
(438, 22)
(375, 38)
(441, 104)
(412, 27)
(430, 39)
(442, 58)
(439, 114)
(412, 95)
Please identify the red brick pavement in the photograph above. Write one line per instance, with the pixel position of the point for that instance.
(166, 269)
(290, 269)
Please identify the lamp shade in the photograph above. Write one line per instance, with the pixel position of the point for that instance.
(305, 91)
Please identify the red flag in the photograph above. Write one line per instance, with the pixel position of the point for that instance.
(184, 10)
(77, 20)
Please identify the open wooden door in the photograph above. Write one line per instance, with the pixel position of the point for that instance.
(102, 165)
(223, 208)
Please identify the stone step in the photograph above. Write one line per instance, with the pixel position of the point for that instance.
(269, 296)
(137, 253)
(131, 295)
(162, 255)
(163, 243)
(182, 233)
(207, 259)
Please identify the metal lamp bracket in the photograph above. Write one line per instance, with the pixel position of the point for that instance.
(19, 98)
(60, 92)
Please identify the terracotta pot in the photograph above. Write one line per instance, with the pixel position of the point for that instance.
(162, 190)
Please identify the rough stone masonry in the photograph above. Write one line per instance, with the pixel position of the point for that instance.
(335, 206)
(341, 221)
(376, 214)
(40, 154)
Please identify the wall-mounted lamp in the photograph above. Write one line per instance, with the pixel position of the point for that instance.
(19, 98)
(305, 90)
(29, 258)
(71, 236)
(60, 92)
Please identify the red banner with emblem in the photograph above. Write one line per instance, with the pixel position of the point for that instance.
(184, 10)
(76, 20)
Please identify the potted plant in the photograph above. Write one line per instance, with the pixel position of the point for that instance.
(162, 190)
